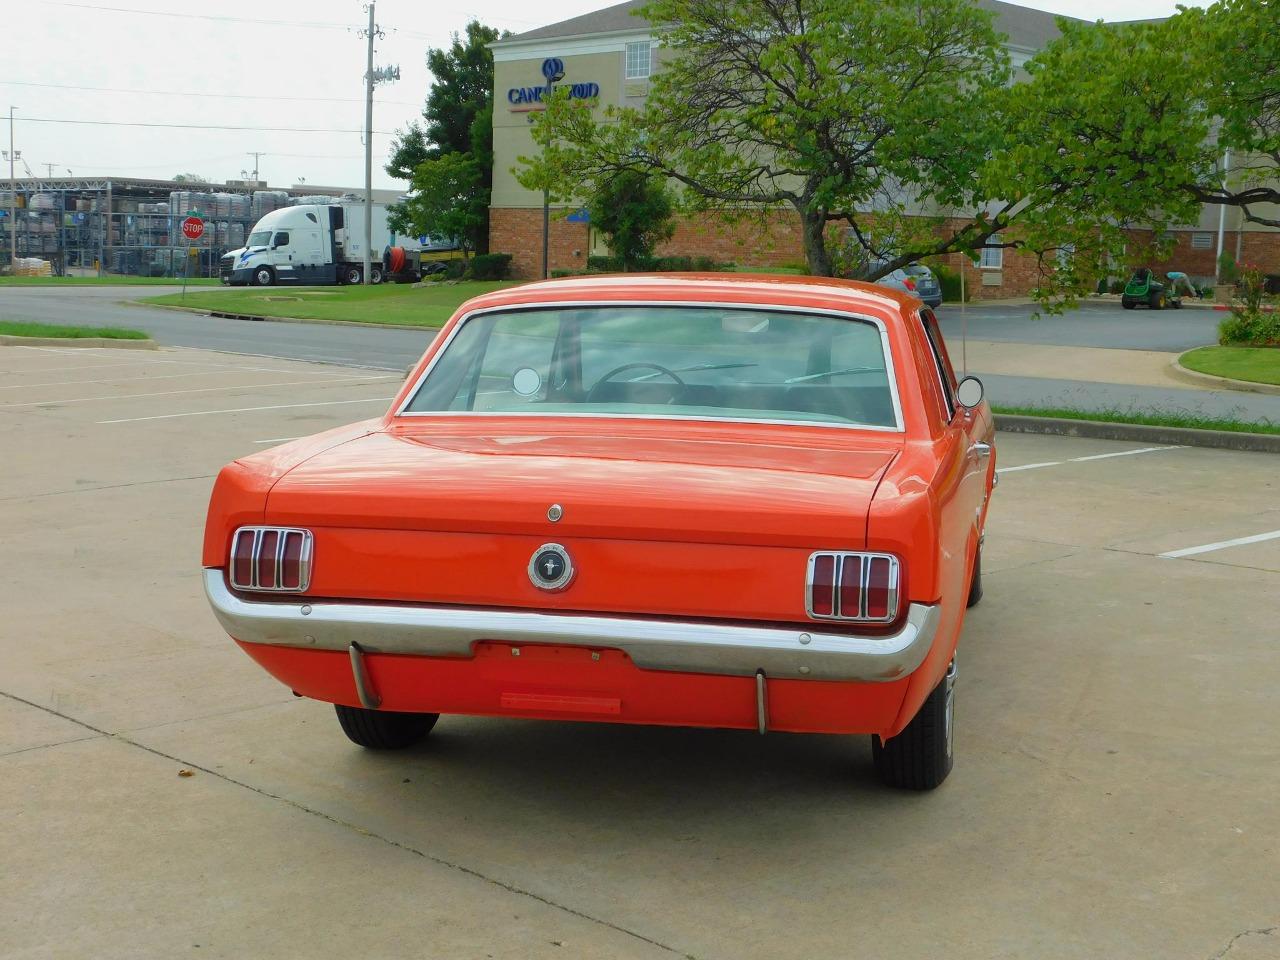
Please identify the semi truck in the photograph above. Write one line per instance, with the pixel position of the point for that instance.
(323, 244)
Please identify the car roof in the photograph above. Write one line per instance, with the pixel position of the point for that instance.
(745, 288)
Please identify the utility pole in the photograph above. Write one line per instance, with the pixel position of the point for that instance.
(255, 154)
(372, 78)
(49, 170)
(13, 202)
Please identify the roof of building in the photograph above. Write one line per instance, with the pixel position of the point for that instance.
(1024, 26)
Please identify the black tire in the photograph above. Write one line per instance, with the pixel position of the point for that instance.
(975, 584)
(352, 275)
(383, 729)
(1126, 304)
(263, 277)
(920, 757)
(375, 274)
(1157, 301)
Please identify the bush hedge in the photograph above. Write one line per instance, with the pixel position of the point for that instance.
(491, 266)
(659, 265)
(949, 281)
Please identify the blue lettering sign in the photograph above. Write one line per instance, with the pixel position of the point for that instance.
(521, 98)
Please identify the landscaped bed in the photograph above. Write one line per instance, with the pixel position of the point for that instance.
(17, 328)
(425, 305)
(1188, 420)
(1255, 364)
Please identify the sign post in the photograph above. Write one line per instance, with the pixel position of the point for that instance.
(193, 230)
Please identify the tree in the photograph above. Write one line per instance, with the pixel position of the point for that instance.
(189, 178)
(633, 211)
(892, 130)
(452, 151)
(825, 107)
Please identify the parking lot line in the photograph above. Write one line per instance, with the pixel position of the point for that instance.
(1221, 545)
(1096, 456)
(171, 393)
(278, 439)
(277, 406)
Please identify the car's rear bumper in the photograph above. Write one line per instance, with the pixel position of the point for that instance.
(730, 650)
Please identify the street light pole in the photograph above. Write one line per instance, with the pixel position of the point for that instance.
(13, 203)
(368, 150)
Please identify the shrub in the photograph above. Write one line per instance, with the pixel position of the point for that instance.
(561, 273)
(633, 211)
(1260, 329)
(949, 281)
(604, 264)
(490, 266)
(1228, 272)
(1117, 286)
(453, 270)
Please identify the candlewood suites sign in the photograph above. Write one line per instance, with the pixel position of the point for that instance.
(530, 98)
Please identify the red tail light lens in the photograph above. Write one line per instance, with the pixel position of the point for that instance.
(822, 585)
(860, 587)
(271, 559)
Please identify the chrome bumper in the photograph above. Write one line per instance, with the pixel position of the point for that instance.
(687, 647)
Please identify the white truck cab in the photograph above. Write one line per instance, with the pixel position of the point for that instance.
(311, 244)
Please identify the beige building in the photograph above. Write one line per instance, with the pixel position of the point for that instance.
(610, 55)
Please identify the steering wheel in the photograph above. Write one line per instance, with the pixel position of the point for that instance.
(591, 394)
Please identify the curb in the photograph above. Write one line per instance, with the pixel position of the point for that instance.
(1141, 432)
(1179, 372)
(227, 315)
(8, 341)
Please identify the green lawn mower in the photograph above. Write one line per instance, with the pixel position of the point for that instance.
(1144, 289)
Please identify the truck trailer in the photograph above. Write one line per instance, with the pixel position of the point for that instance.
(321, 244)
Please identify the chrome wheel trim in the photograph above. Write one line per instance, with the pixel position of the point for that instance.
(948, 710)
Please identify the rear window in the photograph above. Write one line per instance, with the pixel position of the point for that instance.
(656, 361)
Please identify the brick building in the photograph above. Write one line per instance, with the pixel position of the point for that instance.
(610, 54)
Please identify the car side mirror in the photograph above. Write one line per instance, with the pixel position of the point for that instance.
(969, 392)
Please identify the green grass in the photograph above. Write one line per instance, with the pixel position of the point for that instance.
(1255, 364)
(15, 328)
(109, 280)
(1190, 420)
(429, 305)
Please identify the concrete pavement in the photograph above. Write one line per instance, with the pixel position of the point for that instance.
(1116, 759)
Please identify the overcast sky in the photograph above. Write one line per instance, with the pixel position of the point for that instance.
(117, 62)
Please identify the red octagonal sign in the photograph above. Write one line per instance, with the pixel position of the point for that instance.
(193, 228)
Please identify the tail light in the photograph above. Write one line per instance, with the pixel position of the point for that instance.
(273, 559)
(861, 587)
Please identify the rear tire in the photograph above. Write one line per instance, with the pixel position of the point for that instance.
(352, 276)
(1157, 301)
(375, 274)
(384, 729)
(920, 757)
(975, 584)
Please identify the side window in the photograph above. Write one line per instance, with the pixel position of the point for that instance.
(281, 240)
(941, 363)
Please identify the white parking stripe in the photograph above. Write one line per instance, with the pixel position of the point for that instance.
(1125, 453)
(278, 406)
(1221, 545)
(1029, 466)
(1096, 456)
(278, 439)
(171, 393)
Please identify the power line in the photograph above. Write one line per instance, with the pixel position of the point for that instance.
(200, 126)
(182, 93)
(200, 16)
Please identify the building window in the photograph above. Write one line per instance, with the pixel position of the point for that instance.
(1202, 241)
(639, 60)
(1066, 253)
(992, 256)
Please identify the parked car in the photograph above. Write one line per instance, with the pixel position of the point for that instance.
(717, 502)
(917, 280)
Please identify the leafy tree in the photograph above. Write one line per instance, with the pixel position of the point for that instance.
(826, 107)
(893, 132)
(633, 210)
(190, 178)
(449, 158)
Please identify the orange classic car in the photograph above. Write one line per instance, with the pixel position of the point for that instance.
(721, 501)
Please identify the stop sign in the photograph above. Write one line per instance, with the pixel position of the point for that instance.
(193, 228)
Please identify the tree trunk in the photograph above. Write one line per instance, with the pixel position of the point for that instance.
(813, 227)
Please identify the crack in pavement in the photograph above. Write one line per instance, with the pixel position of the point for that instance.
(338, 821)
(1257, 931)
(106, 486)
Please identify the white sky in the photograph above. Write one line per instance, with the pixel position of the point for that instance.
(156, 62)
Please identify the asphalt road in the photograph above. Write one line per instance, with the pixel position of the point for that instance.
(1093, 325)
